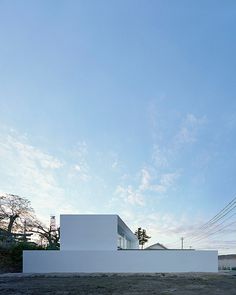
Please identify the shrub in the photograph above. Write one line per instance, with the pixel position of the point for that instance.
(16, 251)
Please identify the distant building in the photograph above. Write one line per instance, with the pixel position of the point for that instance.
(227, 262)
(156, 246)
(7, 239)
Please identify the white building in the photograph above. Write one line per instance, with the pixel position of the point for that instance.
(104, 243)
(227, 262)
(95, 232)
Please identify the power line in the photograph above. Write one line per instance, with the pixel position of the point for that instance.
(220, 230)
(224, 212)
(221, 216)
(232, 203)
(209, 224)
(212, 227)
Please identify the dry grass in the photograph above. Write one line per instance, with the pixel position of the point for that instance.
(163, 284)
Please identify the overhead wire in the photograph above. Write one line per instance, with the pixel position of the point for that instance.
(214, 218)
(208, 226)
(212, 227)
(220, 230)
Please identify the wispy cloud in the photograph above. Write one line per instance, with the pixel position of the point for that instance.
(164, 228)
(81, 169)
(157, 184)
(129, 195)
(189, 128)
(160, 157)
(140, 194)
(167, 180)
(29, 152)
(68, 183)
(145, 180)
(31, 172)
(170, 130)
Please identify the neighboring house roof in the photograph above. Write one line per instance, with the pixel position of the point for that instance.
(156, 246)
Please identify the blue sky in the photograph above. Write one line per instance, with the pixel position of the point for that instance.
(121, 107)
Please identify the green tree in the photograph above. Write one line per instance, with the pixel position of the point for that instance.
(142, 236)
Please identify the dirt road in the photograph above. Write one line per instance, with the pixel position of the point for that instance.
(163, 284)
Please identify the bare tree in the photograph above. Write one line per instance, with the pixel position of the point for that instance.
(17, 216)
(13, 212)
(51, 235)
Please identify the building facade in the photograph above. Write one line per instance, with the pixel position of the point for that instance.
(104, 243)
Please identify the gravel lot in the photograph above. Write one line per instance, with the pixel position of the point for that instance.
(177, 284)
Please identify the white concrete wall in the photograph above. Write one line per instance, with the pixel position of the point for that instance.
(88, 232)
(143, 261)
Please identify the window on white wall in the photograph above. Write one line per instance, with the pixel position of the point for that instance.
(123, 242)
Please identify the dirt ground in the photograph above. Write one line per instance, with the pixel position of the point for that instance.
(163, 284)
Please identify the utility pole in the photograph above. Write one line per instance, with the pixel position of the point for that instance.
(182, 243)
(24, 233)
(53, 222)
(24, 228)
